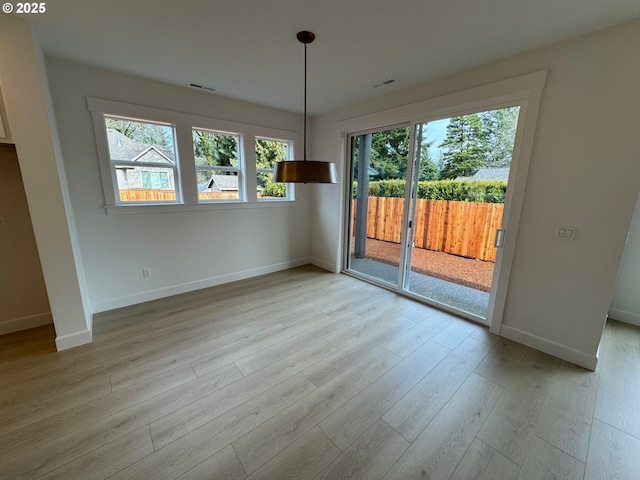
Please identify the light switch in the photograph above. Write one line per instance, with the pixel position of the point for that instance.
(566, 233)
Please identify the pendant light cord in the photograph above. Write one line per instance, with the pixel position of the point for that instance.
(305, 104)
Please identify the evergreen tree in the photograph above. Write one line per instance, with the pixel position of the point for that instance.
(500, 126)
(142, 132)
(465, 147)
(268, 152)
(389, 153)
(428, 170)
(215, 149)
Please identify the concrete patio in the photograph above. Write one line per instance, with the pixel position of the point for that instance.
(447, 293)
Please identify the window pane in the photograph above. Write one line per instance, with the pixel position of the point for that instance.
(138, 141)
(146, 143)
(215, 149)
(217, 185)
(145, 184)
(268, 152)
(155, 179)
(268, 189)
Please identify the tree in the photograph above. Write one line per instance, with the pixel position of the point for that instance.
(500, 126)
(428, 170)
(268, 152)
(389, 153)
(465, 147)
(142, 132)
(215, 149)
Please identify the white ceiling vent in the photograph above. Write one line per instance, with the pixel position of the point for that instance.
(201, 87)
(384, 83)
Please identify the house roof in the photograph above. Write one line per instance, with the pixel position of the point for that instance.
(489, 173)
(225, 182)
(123, 148)
(220, 183)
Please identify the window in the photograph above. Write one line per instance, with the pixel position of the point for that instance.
(160, 160)
(157, 180)
(217, 165)
(268, 152)
(143, 159)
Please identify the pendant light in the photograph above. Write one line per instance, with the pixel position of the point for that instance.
(305, 171)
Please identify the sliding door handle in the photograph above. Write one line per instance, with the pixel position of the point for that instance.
(499, 240)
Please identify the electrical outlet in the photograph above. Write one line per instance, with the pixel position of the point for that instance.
(146, 272)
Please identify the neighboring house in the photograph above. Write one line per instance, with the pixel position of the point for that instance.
(489, 173)
(220, 183)
(146, 176)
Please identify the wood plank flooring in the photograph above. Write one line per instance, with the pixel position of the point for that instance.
(304, 374)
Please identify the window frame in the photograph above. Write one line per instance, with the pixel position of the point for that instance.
(183, 124)
(239, 170)
(289, 156)
(114, 164)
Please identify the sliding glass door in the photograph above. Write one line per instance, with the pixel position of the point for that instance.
(377, 220)
(427, 205)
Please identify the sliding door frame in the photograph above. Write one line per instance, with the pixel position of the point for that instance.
(349, 181)
(524, 91)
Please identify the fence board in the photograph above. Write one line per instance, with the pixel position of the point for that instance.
(143, 195)
(460, 228)
(420, 229)
(148, 195)
(398, 212)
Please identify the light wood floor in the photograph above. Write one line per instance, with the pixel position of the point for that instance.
(302, 375)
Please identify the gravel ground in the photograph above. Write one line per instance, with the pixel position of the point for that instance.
(463, 271)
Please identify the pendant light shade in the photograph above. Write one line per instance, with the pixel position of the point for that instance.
(305, 171)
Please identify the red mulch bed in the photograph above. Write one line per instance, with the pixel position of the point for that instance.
(462, 271)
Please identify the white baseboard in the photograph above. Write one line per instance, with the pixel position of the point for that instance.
(552, 348)
(147, 296)
(24, 323)
(73, 340)
(624, 316)
(324, 265)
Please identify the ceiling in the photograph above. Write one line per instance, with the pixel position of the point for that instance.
(247, 49)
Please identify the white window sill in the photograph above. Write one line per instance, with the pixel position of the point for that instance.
(175, 208)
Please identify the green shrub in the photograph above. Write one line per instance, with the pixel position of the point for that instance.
(274, 190)
(488, 191)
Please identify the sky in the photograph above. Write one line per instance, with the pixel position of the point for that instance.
(436, 131)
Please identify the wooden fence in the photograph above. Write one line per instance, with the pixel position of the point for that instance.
(146, 195)
(461, 228)
(143, 195)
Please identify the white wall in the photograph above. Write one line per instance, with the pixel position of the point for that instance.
(33, 130)
(625, 305)
(24, 297)
(584, 172)
(184, 250)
